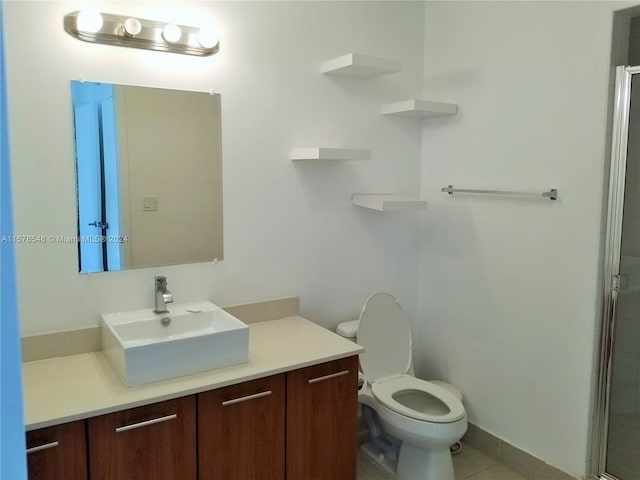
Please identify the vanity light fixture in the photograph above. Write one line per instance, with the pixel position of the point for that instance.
(132, 27)
(171, 33)
(207, 37)
(89, 21)
(95, 27)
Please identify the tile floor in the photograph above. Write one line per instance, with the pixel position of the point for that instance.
(469, 464)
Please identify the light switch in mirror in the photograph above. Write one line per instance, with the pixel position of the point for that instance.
(149, 176)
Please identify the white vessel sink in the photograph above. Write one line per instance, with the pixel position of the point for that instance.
(143, 346)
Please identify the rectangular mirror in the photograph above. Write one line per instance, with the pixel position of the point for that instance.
(149, 176)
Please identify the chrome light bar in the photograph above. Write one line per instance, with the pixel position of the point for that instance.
(140, 33)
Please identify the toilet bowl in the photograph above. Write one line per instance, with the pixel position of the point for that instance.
(424, 417)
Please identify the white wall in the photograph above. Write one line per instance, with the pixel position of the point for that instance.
(508, 287)
(290, 229)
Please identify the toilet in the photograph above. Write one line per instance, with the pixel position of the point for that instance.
(422, 418)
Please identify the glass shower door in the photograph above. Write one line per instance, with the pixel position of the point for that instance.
(620, 442)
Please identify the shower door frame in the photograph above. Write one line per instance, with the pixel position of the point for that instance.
(611, 266)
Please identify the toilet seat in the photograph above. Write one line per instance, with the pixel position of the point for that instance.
(422, 400)
(384, 332)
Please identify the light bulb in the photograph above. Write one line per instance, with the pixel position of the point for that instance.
(89, 21)
(132, 27)
(208, 37)
(171, 33)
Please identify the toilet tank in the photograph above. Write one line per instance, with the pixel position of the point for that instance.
(348, 329)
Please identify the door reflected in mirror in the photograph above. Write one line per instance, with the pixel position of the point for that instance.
(148, 176)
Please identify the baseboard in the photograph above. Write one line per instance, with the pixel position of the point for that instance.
(521, 462)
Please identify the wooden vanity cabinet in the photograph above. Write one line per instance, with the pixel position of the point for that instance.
(241, 431)
(322, 402)
(153, 442)
(58, 452)
(299, 425)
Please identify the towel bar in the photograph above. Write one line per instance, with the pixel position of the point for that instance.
(552, 194)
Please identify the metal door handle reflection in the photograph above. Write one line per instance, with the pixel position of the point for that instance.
(45, 446)
(248, 397)
(328, 377)
(146, 423)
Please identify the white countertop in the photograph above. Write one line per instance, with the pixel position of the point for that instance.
(64, 389)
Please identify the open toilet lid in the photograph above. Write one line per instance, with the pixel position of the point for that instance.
(384, 333)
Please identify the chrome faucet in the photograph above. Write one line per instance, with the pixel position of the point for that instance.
(163, 296)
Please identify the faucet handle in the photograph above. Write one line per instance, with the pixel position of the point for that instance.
(161, 281)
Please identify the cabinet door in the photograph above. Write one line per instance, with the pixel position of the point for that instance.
(154, 442)
(58, 452)
(322, 403)
(241, 431)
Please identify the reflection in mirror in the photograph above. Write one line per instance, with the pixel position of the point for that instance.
(149, 176)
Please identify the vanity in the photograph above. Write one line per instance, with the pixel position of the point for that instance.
(287, 413)
(149, 160)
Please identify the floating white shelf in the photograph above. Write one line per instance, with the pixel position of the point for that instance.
(324, 153)
(388, 202)
(361, 66)
(419, 108)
